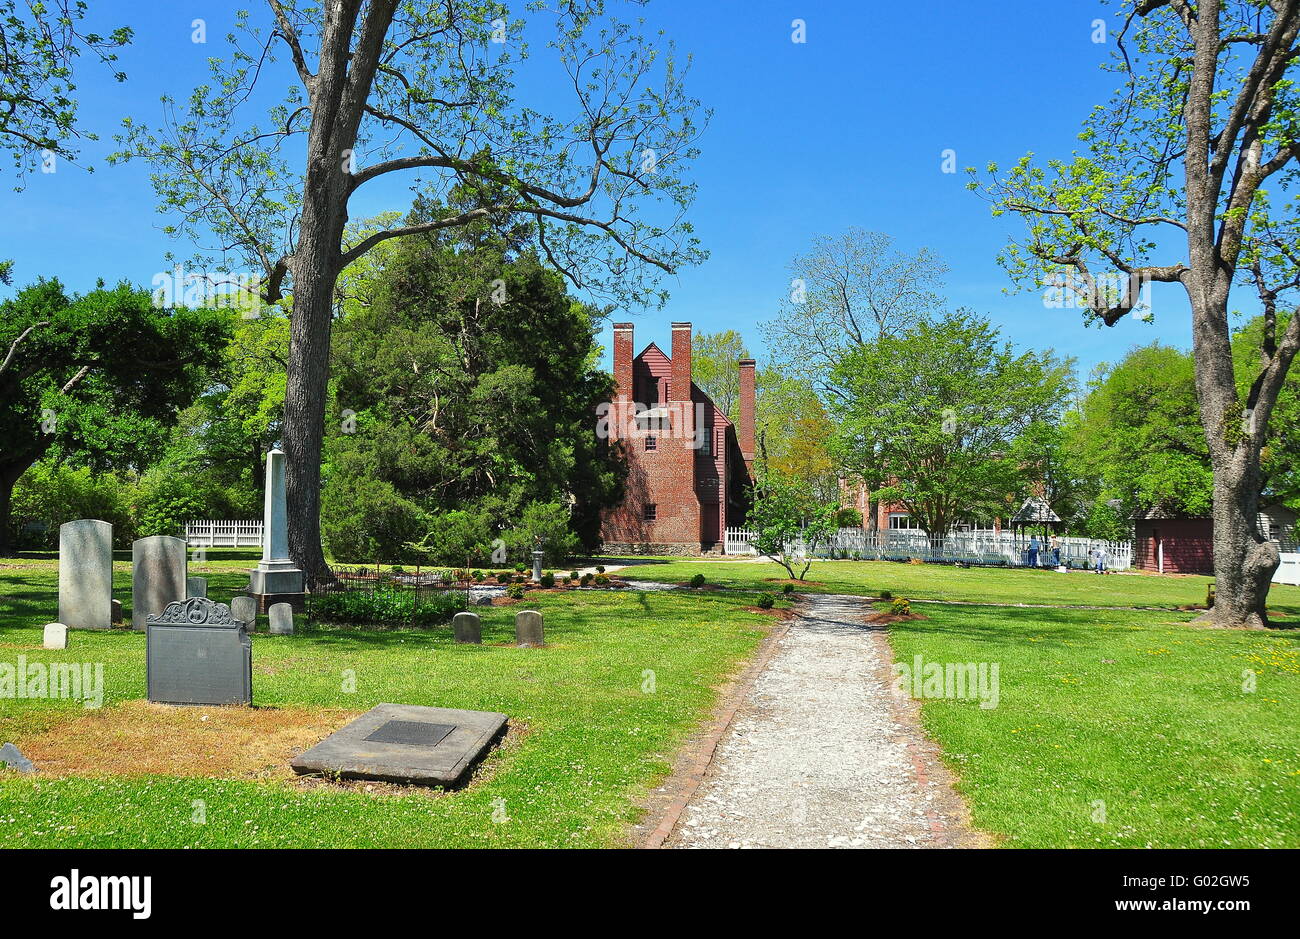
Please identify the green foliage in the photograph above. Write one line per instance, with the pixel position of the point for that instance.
(367, 520)
(938, 409)
(515, 591)
(766, 601)
(900, 606)
(848, 518)
(471, 379)
(789, 522)
(602, 580)
(1139, 434)
(41, 44)
(886, 595)
(386, 606)
(713, 368)
(697, 581)
(547, 581)
(787, 589)
(50, 493)
(165, 499)
(96, 380)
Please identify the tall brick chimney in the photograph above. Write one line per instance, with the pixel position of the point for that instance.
(681, 381)
(745, 432)
(623, 360)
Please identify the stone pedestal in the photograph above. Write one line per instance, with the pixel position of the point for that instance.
(276, 579)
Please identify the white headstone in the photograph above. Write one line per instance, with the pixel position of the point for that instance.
(86, 574)
(56, 636)
(244, 609)
(275, 574)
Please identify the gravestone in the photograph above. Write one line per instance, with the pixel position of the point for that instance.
(281, 619)
(117, 611)
(528, 628)
(157, 576)
(244, 609)
(537, 567)
(406, 743)
(56, 636)
(276, 579)
(86, 574)
(466, 628)
(197, 653)
(485, 600)
(196, 586)
(13, 758)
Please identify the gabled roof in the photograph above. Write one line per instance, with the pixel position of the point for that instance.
(1035, 511)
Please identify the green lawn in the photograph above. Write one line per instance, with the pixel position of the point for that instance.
(943, 582)
(595, 740)
(1134, 713)
(1112, 727)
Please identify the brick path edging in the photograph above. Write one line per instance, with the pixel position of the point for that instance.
(693, 772)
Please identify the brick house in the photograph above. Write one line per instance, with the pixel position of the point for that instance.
(1165, 543)
(688, 465)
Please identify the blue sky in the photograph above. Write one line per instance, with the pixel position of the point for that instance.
(846, 129)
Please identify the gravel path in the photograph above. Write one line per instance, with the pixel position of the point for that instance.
(818, 754)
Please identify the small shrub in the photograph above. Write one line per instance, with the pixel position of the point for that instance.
(766, 601)
(478, 575)
(573, 575)
(886, 595)
(600, 568)
(520, 568)
(788, 589)
(900, 607)
(697, 581)
(602, 580)
(586, 578)
(385, 607)
(547, 581)
(515, 591)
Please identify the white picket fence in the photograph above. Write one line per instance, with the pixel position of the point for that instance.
(974, 547)
(1288, 572)
(211, 533)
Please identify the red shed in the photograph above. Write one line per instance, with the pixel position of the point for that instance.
(1167, 543)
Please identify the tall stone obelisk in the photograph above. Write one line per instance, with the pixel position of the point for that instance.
(275, 579)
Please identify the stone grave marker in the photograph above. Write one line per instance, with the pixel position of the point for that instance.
(157, 576)
(196, 586)
(467, 628)
(86, 574)
(406, 743)
(56, 636)
(117, 611)
(280, 616)
(244, 609)
(197, 653)
(276, 579)
(13, 758)
(528, 629)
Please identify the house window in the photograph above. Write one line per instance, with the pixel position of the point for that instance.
(901, 520)
(706, 441)
(652, 443)
(650, 511)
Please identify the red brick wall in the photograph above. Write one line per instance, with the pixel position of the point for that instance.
(1188, 545)
(745, 432)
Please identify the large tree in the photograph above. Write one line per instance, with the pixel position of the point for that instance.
(426, 93)
(1187, 177)
(457, 414)
(940, 408)
(713, 367)
(96, 379)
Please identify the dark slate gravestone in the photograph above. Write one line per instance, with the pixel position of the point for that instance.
(406, 743)
(197, 653)
(11, 757)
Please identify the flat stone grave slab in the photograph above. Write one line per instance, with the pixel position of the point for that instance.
(406, 743)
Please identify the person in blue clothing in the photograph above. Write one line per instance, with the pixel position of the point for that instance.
(1033, 551)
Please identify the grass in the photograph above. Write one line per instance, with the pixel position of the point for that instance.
(974, 584)
(592, 744)
(1118, 729)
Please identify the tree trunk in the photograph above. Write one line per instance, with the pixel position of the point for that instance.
(307, 387)
(1243, 561)
(8, 545)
